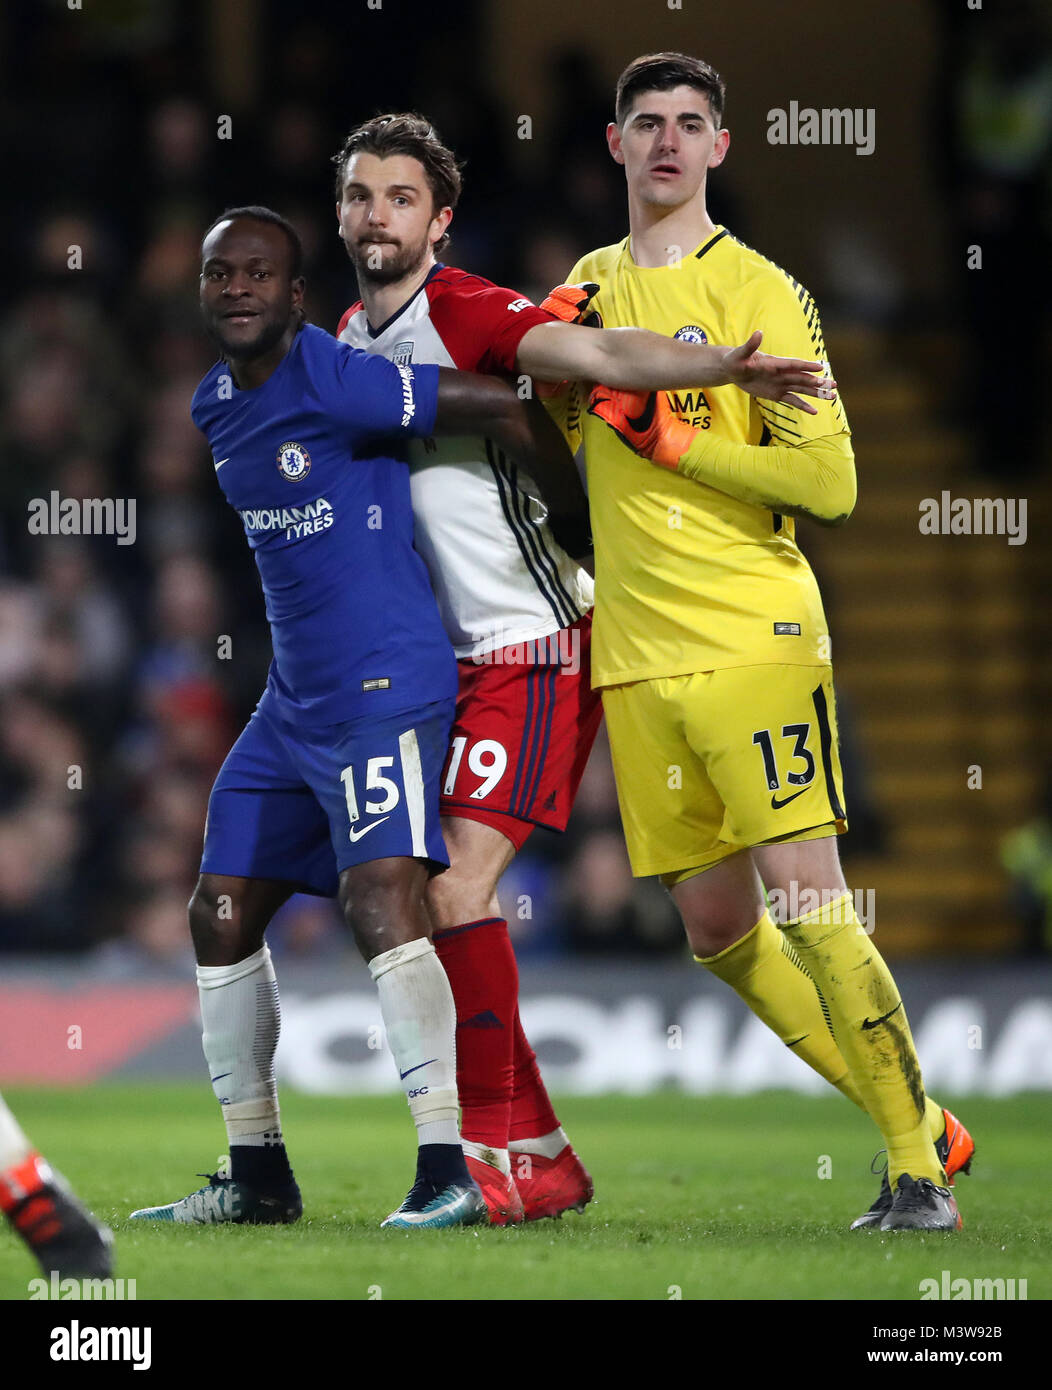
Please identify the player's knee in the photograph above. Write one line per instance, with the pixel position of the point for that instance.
(715, 923)
(217, 926)
(461, 894)
(710, 937)
(383, 905)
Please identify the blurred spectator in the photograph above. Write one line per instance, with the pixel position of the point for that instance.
(608, 911)
(1026, 855)
(1000, 130)
(155, 941)
(47, 795)
(308, 928)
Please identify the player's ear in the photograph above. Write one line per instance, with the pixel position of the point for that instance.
(719, 149)
(441, 220)
(613, 142)
(339, 221)
(299, 284)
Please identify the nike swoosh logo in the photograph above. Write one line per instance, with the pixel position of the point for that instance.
(867, 1024)
(644, 421)
(404, 1074)
(219, 463)
(777, 805)
(356, 835)
(221, 1075)
(798, 1040)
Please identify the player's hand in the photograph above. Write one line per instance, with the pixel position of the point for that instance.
(645, 422)
(783, 379)
(569, 303)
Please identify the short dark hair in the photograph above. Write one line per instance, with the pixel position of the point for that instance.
(261, 214)
(660, 72)
(405, 132)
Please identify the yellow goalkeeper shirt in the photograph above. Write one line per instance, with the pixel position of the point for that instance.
(688, 578)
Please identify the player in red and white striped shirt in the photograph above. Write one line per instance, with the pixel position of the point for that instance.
(515, 603)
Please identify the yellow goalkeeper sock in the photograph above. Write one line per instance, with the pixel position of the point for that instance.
(935, 1118)
(765, 970)
(869, 1022)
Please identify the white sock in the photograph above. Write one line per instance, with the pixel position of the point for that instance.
(242, 1019)
(14, 1146)
(496, 1158)
(420, 1019)
(548, 1145)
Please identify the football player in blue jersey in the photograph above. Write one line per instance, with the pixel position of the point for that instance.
(332, 787)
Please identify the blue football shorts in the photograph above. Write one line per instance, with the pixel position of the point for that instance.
(300, 805)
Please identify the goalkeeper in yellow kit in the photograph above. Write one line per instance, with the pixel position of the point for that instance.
(710, 642)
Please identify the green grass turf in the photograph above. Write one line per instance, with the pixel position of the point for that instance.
(719, 1197)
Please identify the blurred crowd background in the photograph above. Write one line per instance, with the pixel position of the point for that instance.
(109, 655)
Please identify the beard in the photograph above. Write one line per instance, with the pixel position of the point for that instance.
(394, 266)
(270, 332)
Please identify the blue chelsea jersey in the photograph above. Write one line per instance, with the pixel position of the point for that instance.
(309, 462)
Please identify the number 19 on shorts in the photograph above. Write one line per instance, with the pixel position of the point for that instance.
(486, 759)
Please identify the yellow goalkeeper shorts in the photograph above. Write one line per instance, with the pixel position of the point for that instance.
(715, 762)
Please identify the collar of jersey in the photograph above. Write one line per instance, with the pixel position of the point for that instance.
(376, 332)
(258, 390)
(698, 251)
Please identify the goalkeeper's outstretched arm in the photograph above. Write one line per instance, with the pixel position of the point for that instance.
(815, 479)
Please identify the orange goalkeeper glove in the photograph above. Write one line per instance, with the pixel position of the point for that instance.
(570, 303)
(645, 422)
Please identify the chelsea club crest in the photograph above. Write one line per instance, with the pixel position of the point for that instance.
(293, 462)
(691, 333)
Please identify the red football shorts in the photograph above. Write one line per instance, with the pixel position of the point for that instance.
(526, 719)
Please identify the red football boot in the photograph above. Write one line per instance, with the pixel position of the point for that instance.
(499, 1190)
(62, 1234)
(550, 1186)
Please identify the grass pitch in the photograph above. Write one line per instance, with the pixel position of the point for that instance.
(704, 1198)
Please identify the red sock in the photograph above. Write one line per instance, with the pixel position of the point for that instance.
(531, 1111)
(20, 1180)
(484, 978)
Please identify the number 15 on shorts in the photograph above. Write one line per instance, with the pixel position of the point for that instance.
(373, 797)
(374, 780)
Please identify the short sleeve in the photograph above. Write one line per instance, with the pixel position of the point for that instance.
(482, 327)
(791, 328)
(371, 396)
